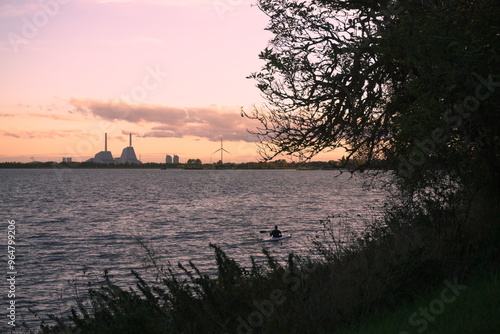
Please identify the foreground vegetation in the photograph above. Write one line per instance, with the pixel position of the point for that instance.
(470, 309)
(394, 266)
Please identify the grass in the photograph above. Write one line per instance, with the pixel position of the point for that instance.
(475, 310)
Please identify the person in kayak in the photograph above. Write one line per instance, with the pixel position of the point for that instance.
(275, 233)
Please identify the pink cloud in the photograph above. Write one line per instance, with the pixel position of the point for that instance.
(39, 134)
(10, 134)
(113, 111)
(53, 116)
(209, 123)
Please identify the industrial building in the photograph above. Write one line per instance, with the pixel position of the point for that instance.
(106, 157)
(169, 160)
(128, 155)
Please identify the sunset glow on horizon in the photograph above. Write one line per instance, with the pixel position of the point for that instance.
(172, 73)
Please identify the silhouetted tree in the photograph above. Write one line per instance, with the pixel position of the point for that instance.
(414, 83)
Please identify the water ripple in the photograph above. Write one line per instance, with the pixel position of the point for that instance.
(87, 220)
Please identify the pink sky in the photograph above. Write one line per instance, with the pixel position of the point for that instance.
(171, 72)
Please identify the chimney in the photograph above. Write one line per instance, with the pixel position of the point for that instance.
(105, 142)
(130, 140)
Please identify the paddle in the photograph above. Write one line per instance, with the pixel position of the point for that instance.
(269, 231)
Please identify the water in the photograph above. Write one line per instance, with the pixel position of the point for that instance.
(73, 221)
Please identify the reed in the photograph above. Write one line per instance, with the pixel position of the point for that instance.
(394, 260)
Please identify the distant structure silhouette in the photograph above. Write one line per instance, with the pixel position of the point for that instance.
(222, 150)
(105, 157)
(128, 155)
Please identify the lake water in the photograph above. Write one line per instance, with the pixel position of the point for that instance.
(73, 221)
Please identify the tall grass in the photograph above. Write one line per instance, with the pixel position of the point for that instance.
(407, 253)
(474, 310)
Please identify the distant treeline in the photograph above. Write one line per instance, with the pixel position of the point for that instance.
(193, 164)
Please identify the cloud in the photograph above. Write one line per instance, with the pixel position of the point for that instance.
(52, 116)
(10, 134)
(39, 134)
(57, 117)
(172, 122)
(113, 111)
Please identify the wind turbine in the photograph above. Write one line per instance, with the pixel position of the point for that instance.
(222, 150)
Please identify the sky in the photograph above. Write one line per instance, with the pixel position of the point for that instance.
(172, 73)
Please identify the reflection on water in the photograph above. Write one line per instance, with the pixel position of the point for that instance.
(87, 219)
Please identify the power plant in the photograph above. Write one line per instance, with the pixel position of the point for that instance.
(105, 157)
(128, 155)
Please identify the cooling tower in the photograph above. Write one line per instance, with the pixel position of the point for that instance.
(104, 157)
(128, 155)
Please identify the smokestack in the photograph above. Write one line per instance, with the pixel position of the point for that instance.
(130, 140)
(105, 142)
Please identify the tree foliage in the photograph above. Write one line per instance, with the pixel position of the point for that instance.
(323, 78)
(414, 83)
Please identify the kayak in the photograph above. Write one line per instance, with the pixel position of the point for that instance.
(279, 238)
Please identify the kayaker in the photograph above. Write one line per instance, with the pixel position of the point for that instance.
(275, 233)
